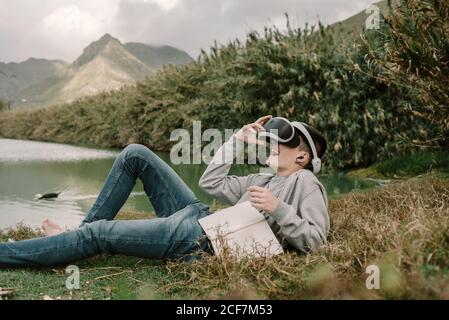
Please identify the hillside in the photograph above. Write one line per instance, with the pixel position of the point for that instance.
(156, 57)
(351, 28)
(15, 77)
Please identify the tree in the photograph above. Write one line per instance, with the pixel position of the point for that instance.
(2, 105)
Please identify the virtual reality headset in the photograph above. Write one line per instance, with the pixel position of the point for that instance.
(288, 133)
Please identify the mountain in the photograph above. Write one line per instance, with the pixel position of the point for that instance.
(156, 57)
(107, 64)
(14, 77)
(104, 65)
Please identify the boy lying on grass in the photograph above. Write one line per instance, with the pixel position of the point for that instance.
(299, 218)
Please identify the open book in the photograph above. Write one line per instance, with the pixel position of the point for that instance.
(241, 230)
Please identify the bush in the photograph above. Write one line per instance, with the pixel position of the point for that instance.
(415, 55)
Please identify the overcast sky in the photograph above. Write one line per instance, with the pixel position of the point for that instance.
(60, 29)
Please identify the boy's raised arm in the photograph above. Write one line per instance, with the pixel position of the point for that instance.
(215, 180)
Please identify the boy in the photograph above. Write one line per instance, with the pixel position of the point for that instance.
(293, 201)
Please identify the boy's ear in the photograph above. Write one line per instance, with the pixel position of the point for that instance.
(302, 157)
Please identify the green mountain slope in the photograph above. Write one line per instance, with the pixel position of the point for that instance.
(351, 28)
(156, 57)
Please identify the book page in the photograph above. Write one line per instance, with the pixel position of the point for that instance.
(241, 230)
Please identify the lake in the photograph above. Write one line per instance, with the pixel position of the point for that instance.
(28, 168)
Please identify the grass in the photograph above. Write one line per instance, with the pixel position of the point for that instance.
(407, 165)
(403, 228)
(101, 277)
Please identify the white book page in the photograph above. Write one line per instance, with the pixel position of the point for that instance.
(242, 230)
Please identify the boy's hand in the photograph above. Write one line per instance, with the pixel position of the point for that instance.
(248, 133)
(263, 199)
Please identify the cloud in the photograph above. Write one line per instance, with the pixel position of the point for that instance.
(62, 28)
(68, 29)
(165, 5)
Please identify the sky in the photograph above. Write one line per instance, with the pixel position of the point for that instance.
(60, 29)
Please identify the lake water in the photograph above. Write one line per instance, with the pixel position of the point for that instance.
(28, 168)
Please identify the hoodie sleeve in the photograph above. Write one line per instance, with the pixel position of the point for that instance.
(216, 182)
(307, 229)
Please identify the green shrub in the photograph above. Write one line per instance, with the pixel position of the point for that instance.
(414, 164)
(415, 55)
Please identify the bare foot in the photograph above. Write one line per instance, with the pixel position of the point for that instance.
(51, 228)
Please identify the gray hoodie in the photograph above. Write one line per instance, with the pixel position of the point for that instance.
(301, 218)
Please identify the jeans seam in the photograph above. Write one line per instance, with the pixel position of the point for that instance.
(140, 241)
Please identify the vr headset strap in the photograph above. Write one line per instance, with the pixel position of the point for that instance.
(316, 162)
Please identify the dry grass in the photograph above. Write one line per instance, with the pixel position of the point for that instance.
(402, 228)
(20, 232)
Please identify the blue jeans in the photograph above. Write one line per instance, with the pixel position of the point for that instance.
(174, 234)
